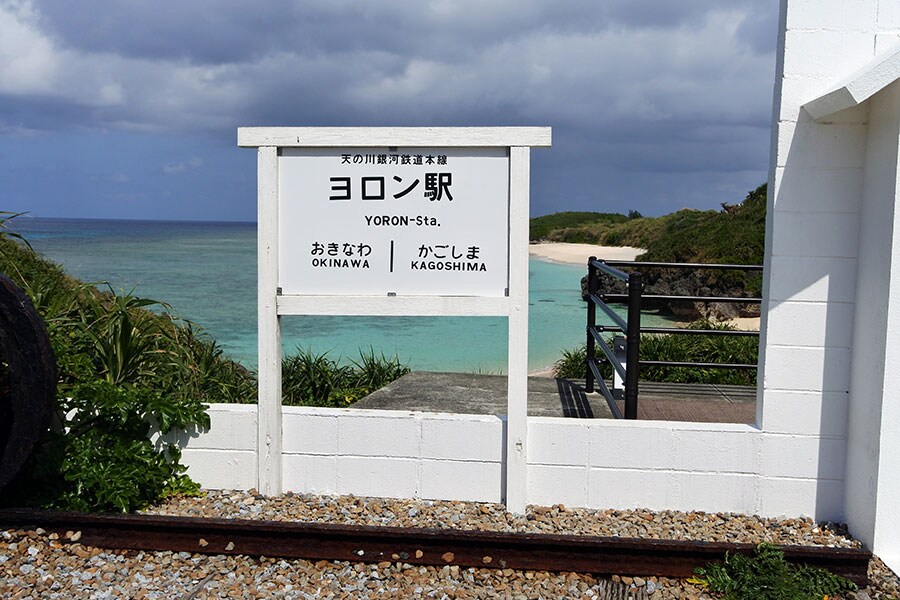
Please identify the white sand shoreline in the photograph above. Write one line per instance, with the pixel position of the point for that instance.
(577, 254)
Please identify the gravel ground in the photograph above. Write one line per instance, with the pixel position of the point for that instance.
(35, 564)
(350, 510)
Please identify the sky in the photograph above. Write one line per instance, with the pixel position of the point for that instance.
(129, 108)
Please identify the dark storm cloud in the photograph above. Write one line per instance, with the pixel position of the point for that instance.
(438, 61)
(638, 90)
(199, 32)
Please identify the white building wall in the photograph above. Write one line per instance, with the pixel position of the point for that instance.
(812, 244)
(873, 460)
(815, 185)
(831, 331)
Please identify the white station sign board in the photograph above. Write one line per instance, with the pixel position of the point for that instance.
(386, 221)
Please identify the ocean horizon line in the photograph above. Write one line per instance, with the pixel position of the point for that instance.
(26, 215)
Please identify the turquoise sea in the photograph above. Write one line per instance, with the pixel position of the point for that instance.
(207, 273)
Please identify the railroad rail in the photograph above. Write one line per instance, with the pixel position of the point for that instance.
(358, 543)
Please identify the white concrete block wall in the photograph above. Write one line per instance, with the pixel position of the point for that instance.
(225, 456)
(683, 466)
(815, 190)
(779, 497)
(830, 247)
(873, 460)
(364, 453)
(886, 541)
(807, 412)
(393, 454)
(823, 15)
(600, 464)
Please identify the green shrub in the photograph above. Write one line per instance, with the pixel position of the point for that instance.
(202, 370)
(700, 348)
(735, 235)
(6, 232)
(682, 348)
(765, 574)
(123, 371)
(572, 364)
(99, 334)
(101, 457)
(374, 372)
(310, 379)
(574, 235)
(127, 344)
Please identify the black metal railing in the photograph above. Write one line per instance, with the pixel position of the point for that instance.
(629, 370)
(630, 326)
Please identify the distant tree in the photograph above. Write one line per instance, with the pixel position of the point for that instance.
(633, 214)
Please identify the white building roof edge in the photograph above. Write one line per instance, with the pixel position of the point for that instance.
(858, 87)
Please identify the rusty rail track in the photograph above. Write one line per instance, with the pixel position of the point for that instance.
(318, 541)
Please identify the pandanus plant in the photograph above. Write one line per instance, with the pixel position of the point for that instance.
(128, 343)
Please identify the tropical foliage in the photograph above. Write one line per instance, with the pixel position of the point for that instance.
(129, 370)
(700, 349)
(310, 379)
(122, 377)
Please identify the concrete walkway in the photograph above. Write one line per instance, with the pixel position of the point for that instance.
(547, 397)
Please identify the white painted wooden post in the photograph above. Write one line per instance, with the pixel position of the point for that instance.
(517, 378)
(268, 441)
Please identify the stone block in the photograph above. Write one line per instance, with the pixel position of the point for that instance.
(462, 437)
(309, 474)
(456, 480)
(379, 477)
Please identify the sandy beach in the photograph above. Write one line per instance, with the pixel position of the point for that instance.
(745, 323)
(577, 254)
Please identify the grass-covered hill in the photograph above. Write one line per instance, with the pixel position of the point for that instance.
(542, 228)
(733, 235)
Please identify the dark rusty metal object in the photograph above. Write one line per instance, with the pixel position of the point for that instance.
(317, 541)
(28, 385)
